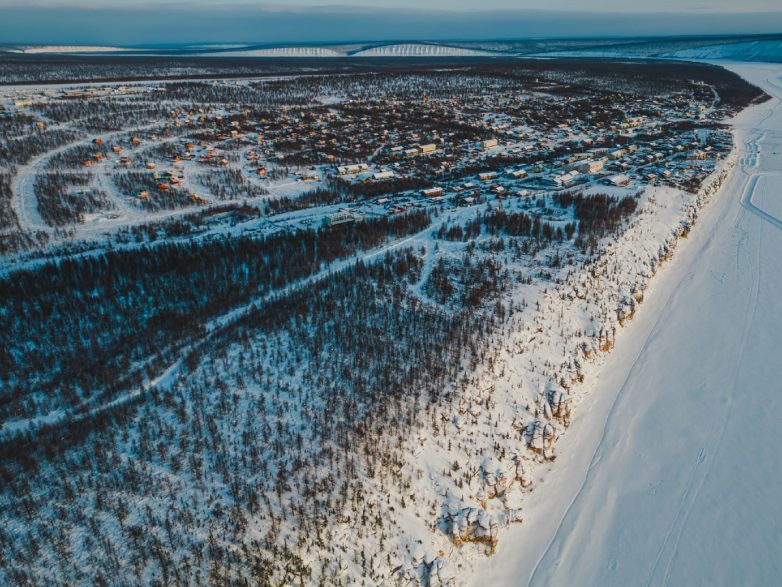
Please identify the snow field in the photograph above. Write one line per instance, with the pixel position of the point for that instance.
(654, 487)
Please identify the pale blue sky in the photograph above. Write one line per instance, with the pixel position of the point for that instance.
(565, 5)
(132, 22)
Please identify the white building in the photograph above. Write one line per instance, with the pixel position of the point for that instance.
(589, 166)
(352, 169)
(342, 217)
(618, 180)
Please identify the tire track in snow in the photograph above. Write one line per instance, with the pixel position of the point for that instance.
(689, 499)
(683, 513)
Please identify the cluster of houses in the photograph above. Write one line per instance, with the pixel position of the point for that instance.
(490, 141)
(671, 160)
(571, 146)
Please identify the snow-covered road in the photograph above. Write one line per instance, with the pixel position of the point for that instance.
(671, 473)
(24, 201)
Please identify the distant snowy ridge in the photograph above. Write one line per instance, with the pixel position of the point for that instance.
(759, 50)
(227, 50)
(420, 50)
(279, 52)
(68, 49)
(770, 51)
(394, 50)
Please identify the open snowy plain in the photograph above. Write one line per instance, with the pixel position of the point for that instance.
(670, 473)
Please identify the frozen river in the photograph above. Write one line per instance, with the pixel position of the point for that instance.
(672, 472)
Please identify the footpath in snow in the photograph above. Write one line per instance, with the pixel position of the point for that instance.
(671, 471)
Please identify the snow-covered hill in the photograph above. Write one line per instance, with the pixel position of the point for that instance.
(770, 51)
(65, 49)
(725, 49)
(419, 50)
(363, 50)
(279, 52)
(672, 474)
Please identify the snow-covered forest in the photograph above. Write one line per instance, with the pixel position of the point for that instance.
(323, 329)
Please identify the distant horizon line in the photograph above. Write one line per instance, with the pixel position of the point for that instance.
(295, 43)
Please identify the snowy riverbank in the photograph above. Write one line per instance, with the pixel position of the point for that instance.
(668, 472)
